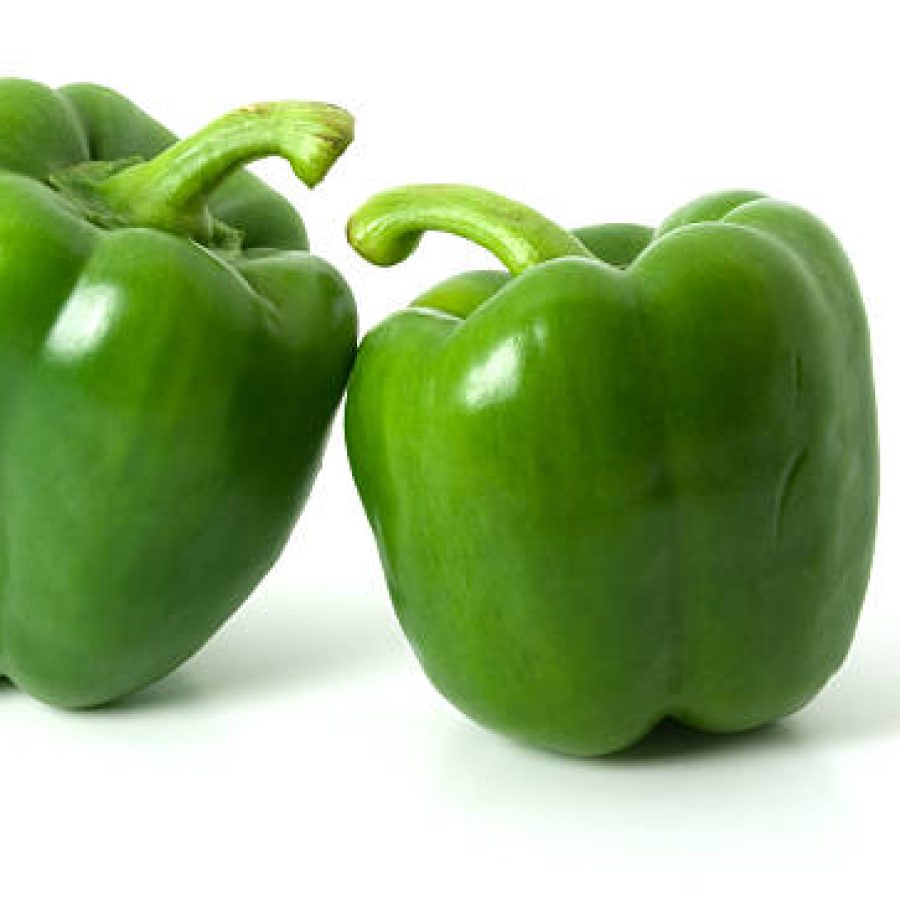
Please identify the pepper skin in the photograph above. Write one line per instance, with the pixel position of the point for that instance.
(607, 493)
(168, 373)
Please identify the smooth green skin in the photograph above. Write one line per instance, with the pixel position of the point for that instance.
(605, 495)
(163, 406)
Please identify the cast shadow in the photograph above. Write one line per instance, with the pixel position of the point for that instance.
(861, 703)
(276, 644)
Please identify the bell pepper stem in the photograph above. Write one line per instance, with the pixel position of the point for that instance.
(387, 228)
(170, 191)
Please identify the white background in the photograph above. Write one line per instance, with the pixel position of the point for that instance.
(302, 753)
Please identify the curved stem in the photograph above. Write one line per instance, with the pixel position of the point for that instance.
(170, 190)
(386, 229)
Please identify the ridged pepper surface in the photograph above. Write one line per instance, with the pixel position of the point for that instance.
(634, 478)
(171, 357)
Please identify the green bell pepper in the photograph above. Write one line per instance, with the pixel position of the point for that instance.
(633, 479)
(171, 358)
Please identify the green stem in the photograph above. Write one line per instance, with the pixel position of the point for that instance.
(386, 229)
(170, 191)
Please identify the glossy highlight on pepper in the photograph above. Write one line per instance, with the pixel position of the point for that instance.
(632, 478)
(171, 358)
